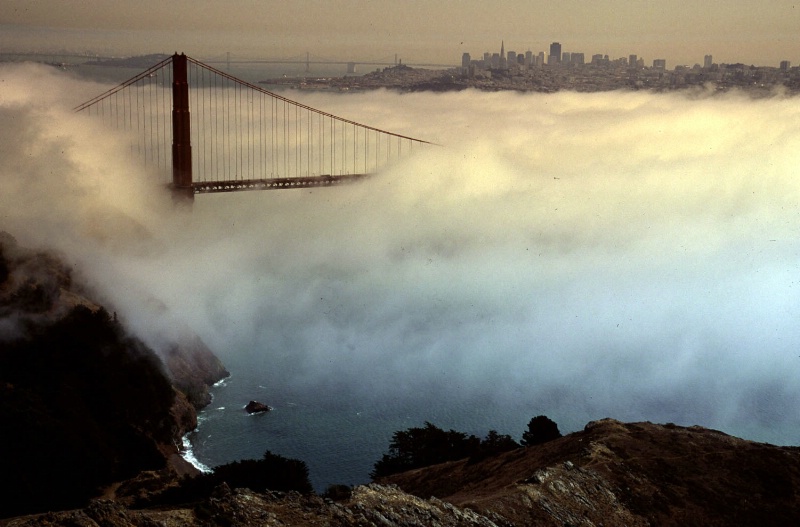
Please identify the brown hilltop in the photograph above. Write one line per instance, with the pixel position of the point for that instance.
(614, 473)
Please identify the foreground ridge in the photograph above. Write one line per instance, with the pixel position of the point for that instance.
(614, 473)
(610, 473)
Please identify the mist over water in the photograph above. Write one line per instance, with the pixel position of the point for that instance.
(625, 255)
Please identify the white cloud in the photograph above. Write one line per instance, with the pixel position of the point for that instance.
(621, 254)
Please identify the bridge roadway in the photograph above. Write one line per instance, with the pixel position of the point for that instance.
(202, 187)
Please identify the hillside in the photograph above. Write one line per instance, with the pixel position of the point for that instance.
(611, 473)
(615, 473)
(84, 403)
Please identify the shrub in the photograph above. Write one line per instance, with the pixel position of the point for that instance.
(272, 472)
(430, 445)
(338, 492)
(540, 430)
(421, 447)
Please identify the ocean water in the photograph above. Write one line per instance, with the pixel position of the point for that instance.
(339, 438)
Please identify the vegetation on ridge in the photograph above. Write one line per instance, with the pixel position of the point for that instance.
(429, 445)
(270, 473)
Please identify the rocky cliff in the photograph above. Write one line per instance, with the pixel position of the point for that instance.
(83, 402)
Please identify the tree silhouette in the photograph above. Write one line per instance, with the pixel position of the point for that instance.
(421, 447)
(540, 430)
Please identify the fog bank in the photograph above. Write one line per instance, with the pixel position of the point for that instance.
(630, 255)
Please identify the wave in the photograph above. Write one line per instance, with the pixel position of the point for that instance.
(188, 454)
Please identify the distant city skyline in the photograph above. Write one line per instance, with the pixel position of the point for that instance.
(559, 55)
(680, 31)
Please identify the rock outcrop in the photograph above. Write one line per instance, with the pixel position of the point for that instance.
(367, 506)
(255, 407)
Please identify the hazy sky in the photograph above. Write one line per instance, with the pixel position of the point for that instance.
(681, 31)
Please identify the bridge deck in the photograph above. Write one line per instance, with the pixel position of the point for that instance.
(202, 187)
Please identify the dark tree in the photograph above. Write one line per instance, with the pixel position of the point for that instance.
(494, 443)
(540, 430)
(272, 472)
(421, 447)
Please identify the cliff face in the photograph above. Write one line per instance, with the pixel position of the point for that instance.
(83, 403)
(194, 369)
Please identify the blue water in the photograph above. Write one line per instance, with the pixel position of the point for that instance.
(339, 438)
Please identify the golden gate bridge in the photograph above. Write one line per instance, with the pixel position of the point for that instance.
(227, 134)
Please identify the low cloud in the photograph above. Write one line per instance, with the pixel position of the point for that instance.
(631, 255)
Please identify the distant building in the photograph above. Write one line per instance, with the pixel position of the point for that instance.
(633, 61)
(577, 58)
(660, 64)
(465, 60)
(566, 58)
(555, 53)
(785, 65)
(495, 63)
(529, 58)
(708, 61)
(503, 63)
(540, 59)
(511, 58)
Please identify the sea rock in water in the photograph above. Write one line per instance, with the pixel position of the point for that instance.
(254, 407)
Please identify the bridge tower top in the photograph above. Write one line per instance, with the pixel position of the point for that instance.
(181, 130)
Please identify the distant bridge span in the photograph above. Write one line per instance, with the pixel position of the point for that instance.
(230, 135)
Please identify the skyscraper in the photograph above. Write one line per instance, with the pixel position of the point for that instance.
(512, 58)
(707, 61)
(555, 53)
